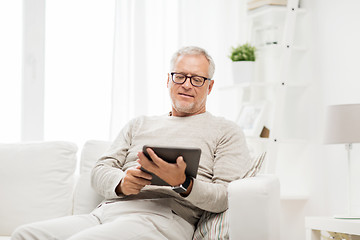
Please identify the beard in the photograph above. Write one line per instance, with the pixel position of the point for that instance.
(187, 107)
(183, 106)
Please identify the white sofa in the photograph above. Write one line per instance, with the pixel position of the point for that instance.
(39, 181)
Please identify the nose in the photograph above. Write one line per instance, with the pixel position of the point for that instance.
(187, 84)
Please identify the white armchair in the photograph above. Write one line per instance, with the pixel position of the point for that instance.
(37, 182)
(254, 207)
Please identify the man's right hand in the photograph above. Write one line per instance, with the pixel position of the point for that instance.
(134, 180)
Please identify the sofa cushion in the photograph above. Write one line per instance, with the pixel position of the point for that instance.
(85, 198)
(212, 226)
(36, 182)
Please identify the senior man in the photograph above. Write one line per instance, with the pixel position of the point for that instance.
(134, 209)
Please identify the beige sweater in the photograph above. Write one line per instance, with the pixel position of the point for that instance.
(224, 158)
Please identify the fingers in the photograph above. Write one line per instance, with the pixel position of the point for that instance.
(157, 161)
(152, 165)
(134, 180)
(172, 173)
(180, 162)
(140, 173)
(127, 189)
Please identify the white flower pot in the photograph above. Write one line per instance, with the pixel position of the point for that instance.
(243, 71)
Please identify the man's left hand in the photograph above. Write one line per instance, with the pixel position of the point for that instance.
(172, 173)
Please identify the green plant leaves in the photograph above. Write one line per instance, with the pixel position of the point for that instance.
(244, 52)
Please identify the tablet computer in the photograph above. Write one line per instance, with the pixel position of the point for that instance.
(169, 154)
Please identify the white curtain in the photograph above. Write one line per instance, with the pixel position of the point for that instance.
(10, 70)
(78, 69)
(145, 36)
(147, 33)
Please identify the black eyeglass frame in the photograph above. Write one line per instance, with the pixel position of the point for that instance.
(186, 77)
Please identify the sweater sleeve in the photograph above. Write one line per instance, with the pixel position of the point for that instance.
(231, 161)
(107, 172)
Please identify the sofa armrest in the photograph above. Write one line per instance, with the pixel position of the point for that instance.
(254, 208)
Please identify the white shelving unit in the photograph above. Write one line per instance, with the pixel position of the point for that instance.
(276, 33)
(314, 226)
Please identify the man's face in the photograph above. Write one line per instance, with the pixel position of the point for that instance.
(186, 99)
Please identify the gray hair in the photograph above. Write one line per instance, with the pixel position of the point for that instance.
(192, 50)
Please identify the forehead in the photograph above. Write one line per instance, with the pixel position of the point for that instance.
(193, 64)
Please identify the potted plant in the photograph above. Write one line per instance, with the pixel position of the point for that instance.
(243, 62)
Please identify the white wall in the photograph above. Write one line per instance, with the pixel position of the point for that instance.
(333, 42)
(338, 38)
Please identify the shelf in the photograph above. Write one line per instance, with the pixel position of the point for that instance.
(262, 85)
(279, 47)
(294, 197)
(282, 141)
(266, 27)
(348, 226)
(271, 9)
(266, 9)
(258, 139)
(291, 141)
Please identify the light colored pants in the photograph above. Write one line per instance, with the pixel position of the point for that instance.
(137, 219)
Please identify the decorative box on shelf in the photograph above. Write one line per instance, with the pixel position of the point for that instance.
(252, 4)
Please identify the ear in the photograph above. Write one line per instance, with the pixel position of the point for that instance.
(211, 84)
(168, 79)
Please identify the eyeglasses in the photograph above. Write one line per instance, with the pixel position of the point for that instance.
(196, 81)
